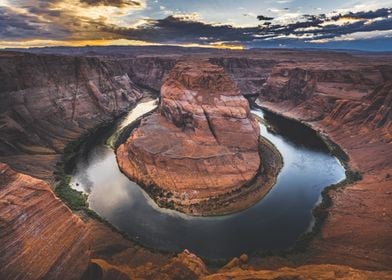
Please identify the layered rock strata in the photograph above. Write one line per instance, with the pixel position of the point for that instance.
(40, 237)
(48, 101)
(202, 143)
(352, 105)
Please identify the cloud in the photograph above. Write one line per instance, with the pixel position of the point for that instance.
(16, 24)
(114, 3)
(189, 28)
(363, 35)
(112, 21)
(329, 26)
(261, 17)
(184, 29)
(97, 11)
(284, 1)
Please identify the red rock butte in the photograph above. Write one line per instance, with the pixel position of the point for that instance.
(201, 143)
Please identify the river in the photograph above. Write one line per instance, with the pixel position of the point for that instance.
(275, 222)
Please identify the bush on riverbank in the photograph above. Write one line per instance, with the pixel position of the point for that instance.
(72, 198)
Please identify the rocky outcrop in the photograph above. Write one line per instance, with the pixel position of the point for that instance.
(40, 237)
(185, 265)
(307, 272)
(202, 143)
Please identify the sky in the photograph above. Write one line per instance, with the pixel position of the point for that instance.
(348, 24)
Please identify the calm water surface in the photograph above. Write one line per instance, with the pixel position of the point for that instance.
(275, 222)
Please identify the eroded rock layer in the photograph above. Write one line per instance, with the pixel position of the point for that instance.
(352, 105)
(40, 237)
(48, 101)
(202, 143)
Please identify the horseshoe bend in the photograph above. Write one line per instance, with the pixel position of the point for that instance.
(201, 144)
(288, 153)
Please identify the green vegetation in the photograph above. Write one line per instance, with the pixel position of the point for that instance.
(72, 198)
(353, 176)
(336, 151)
(77, 201)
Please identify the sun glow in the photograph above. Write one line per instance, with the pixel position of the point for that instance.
(116, 42)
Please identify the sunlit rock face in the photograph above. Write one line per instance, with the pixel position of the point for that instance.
(201, 143)
(40, 237)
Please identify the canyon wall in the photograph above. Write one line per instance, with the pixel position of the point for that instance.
(351, 103)
(249, 73)
(49, 100)
(40, 237)
(46, 102)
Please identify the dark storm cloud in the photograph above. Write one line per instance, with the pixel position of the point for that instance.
(41, 21)
(174, 29)
(328, 27)
(384, 12)
(261, 17)
(21, 26)
(114, 3)
(183, 30)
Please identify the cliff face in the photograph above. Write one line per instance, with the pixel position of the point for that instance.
(202, 142)
(40, 237)
(352, 105)
(47, 101)
(316, 88)
(348, 98)
(249, 73)
(148, 72)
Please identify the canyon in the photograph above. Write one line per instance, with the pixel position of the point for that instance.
(49, 100)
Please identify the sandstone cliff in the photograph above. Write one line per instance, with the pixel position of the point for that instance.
(47, 101)
(352, 105)
(202, 143)
(249, 73)
(40, 237)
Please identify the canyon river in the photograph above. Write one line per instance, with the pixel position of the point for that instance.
(275, 222)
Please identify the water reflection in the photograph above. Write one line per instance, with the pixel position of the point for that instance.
(274, 222)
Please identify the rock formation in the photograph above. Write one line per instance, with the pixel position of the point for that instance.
(47, 101)
(40, 237)
(306, 272)
(202, 143)
(352, 105)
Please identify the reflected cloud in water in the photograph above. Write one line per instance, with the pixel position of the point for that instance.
(275, 222)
